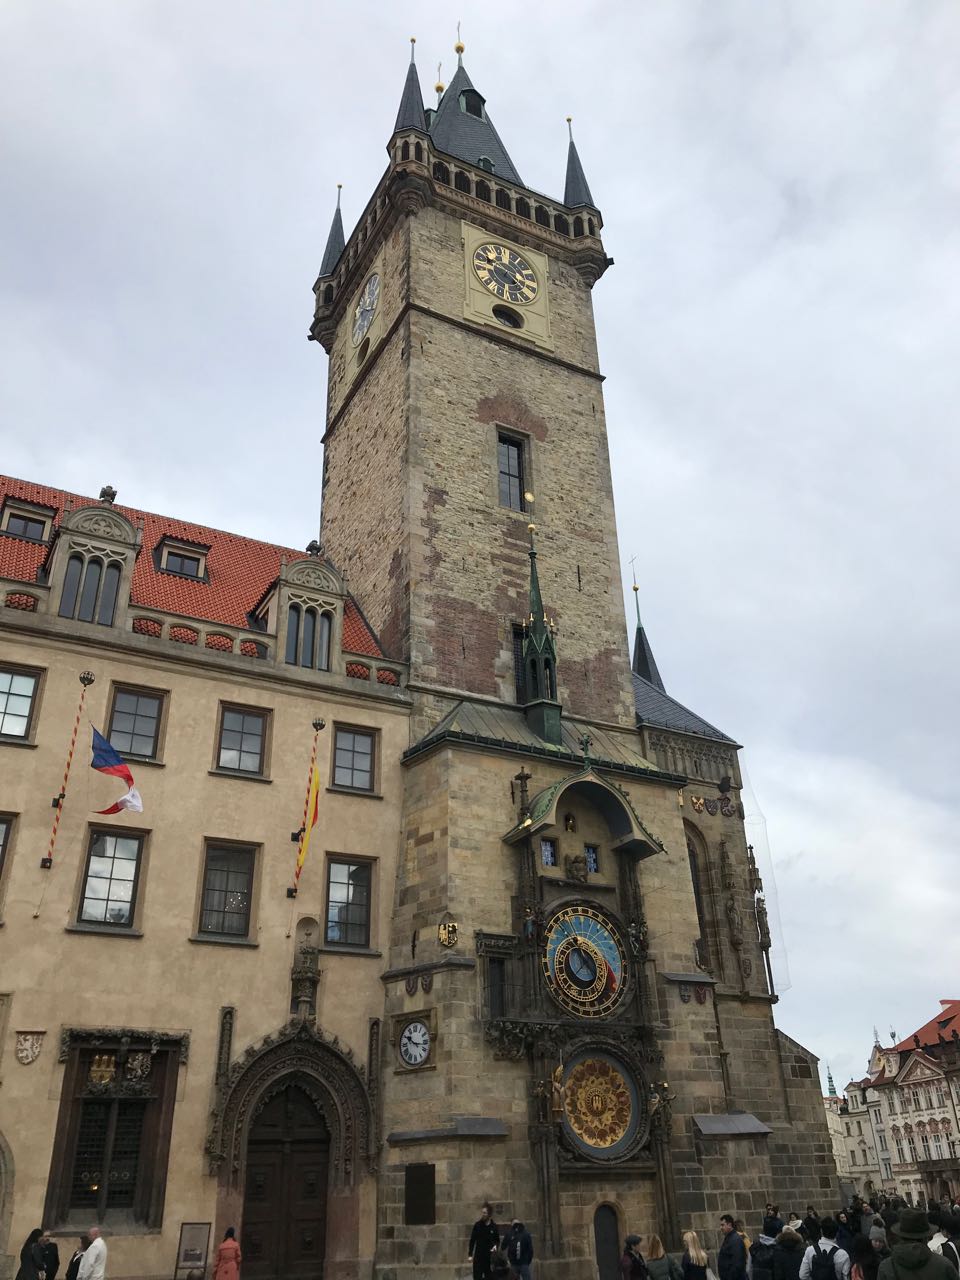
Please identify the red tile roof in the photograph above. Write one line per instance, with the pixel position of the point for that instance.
(240, 570)
(942, 1025)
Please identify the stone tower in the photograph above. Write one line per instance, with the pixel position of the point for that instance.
(577, 1010)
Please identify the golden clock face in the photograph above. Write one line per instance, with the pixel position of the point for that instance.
(505, 273)
(584, 962)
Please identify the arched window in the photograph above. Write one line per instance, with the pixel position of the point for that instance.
(561, 224)
(440, 172)
(503, 198)
(323, 642)
(483, 191)
(578, 226)
(308, 640)
(90, 590)
(293, 634)
(591, 227)
(71, 583)
(405, 151)
(462, 182)
(328, 295)
(694, 859)
(486, 164)
(522, 208)
(542, 216)
(417, 151)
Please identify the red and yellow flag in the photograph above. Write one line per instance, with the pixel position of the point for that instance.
(313, 809)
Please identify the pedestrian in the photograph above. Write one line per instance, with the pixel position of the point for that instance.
(844, 1232)
(761, 1252)
(484, 1242)
(51, 1256)
(93, 1264)
(864, 1259)
(939, 1237)
(227, 1264)
(788, 1254)
(772, 1222)
(732, 1254)
(824, 1259)
(73, 1266)
(694, 1262)
(660, 1266)
(632, 1265)
(811, 1224)
(910, 1255)
(795, 1223)
(951, 1246)
(31, 1257)
(519, 1248)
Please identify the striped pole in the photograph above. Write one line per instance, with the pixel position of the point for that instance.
(86, 680)
(298, 836)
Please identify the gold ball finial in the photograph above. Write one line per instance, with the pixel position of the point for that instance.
(569, 119)
(459, 47)
(531, 528)
(635, 587)
(439, 87)
(413, 39)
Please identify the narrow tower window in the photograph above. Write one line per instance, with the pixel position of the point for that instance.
(471, 103)
(510, 461)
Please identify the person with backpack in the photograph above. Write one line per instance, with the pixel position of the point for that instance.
(825, 1260)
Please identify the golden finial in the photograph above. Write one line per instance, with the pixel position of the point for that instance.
(413, 41)
(531, 528)
(458, 47)
(439, 86)
(570, 127)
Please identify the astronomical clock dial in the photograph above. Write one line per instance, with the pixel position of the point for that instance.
(505, 273)
(601, 1105)
(415, 1044)
(366, 308)
(584, 962)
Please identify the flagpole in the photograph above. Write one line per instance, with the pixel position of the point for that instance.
(298, 836)
(86, 680)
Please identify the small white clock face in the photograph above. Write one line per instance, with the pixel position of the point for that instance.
(415, 1044)
(366, 308)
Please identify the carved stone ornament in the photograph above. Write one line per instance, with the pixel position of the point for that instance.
(29, 1044)
(324, 1069)
(108, 1037)
(307, 573)
(685, 992)
(101, 523)
(410, 985)
(575, 868)
(700, 993)
(426, 983)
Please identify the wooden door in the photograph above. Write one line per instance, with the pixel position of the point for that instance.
(607, 1238)
(283, 1233)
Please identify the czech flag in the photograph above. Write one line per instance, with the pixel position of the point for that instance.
(107, 760)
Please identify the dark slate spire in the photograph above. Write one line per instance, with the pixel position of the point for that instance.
(644, 664)
(410, 115)
(576, 192)
(465, 131)
(335, 242)
(542, 710)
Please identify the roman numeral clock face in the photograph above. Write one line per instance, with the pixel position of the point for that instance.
(505, 273)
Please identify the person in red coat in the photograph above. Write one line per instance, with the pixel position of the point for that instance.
(227, 1265)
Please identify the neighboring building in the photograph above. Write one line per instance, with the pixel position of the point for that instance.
(838, 1126)
(529, 958)
(918, 1084)
(863, 1136)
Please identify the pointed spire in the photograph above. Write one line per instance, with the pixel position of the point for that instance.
(831, 1087)
(542, 709)
(462, 128)
(410, 115)
(644, 663)
(335, 241)
(576, 192)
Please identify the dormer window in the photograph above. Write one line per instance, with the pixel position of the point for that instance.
(486, 164)
(471, 103)
(185, 559)
(25, 522)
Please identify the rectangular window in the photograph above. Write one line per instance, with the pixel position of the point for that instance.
(177, 562)
(925, 1146)
(110, 883)
(419, 1195)
(911, 1149)
(135, 722)
(592, 854)
(848, 1128)
(242, 735)
(227, 890)
(519, 680)
(859, 1129)
(937, 1146)
(892, 1104)
(353, 760)
(510, 461)
(497, 986)
(112, 1141)
(927, 1099)
(348, 904)
(915, 1098)
(941, 1096)
(6, 827)
(548, 852)
(18, 691)
(26, 527)
(899, 1146)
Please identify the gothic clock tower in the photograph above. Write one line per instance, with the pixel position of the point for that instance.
(570, 981)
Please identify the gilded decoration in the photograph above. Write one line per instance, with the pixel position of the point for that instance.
(598, 1103)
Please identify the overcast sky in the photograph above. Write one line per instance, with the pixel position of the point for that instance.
(779, 183)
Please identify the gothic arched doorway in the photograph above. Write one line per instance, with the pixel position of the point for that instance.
(285, 1196)
(606, 1234)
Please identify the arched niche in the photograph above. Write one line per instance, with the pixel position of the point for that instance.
(627, 832)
